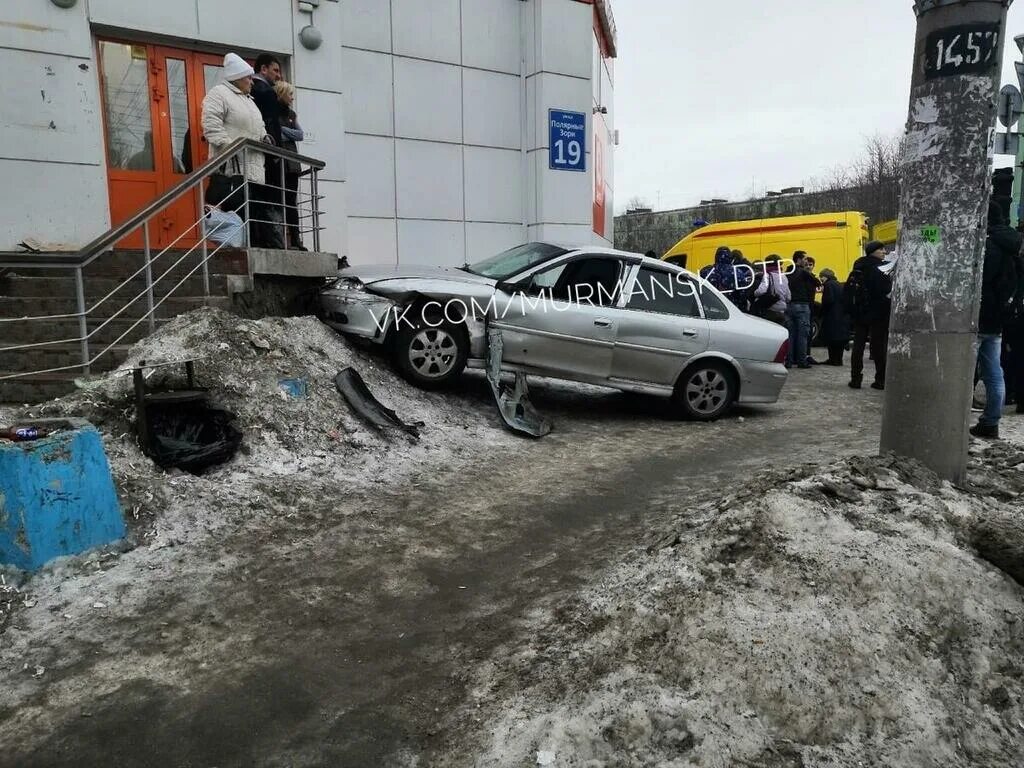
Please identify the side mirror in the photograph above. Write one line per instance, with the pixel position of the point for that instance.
(513, 287)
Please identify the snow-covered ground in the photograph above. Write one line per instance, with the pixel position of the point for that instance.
(835, 617)
(297, 454)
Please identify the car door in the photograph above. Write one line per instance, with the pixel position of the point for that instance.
(660, 327)
(560, 319)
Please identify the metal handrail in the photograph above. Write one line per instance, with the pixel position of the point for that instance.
(88, 253)
(100, 245)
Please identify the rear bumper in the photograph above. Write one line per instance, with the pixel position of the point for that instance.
(762, 382)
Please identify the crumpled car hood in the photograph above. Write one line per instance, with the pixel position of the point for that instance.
(377, 273)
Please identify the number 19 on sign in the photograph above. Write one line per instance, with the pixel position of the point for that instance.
(567, 140)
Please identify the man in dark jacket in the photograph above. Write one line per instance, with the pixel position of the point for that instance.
(872, 304)
(803, 286)
(268, 72)
(998, 285)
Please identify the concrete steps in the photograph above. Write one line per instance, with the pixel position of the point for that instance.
(29, 291)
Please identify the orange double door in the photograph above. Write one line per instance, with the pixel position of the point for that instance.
(152, 107)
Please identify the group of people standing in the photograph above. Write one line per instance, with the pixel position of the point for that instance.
(861, 307)
(788, 298)
(257, 103)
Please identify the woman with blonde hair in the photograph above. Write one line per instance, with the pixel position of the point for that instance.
(291, 133)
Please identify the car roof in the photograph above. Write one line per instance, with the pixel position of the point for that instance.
(627, 255)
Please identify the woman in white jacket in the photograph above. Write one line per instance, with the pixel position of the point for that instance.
(229, 114)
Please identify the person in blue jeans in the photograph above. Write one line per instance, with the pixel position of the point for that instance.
(803, 287)
(998, 284)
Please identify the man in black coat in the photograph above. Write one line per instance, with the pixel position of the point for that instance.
(268, 72)
(998, 285)
(871, 307)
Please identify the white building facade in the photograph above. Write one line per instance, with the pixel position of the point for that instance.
(434, 117)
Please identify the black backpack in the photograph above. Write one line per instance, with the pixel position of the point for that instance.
(855, 296)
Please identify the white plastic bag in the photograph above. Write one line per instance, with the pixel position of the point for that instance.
(223, 227)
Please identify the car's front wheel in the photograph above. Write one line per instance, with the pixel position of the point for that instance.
(705, 391)
(431, 356)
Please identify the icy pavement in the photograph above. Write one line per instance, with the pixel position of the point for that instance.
(840, 617)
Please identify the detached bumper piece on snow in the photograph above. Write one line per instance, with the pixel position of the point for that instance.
(352, 387)
(513, 402)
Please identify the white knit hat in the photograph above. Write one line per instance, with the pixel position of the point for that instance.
(235, 68)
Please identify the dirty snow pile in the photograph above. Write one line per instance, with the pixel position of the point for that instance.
(836, 618)
(296, 453)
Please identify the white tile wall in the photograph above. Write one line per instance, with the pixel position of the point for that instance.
(573, 235)
(484, 240)
(334, 219)
(366, 24)
(45, 27)
(319, 69)
(566, 38)
(260, 25)
(54, 112)
(320, 114)
(177, 19)
(558, 92)
(39, 212)
(491, 34)
(429, 180)
(371, 176)
(427, 30)
(494, 185)
(492, 108)
(439, 243)
(372, 241)
(369, 98)
(428, 100)
(566, 197)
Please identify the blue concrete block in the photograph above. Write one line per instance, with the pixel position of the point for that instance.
(57, 498)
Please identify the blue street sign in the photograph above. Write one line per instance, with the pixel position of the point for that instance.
(567, 140)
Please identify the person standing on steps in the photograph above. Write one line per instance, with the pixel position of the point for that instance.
(835, 325)
(230, 114)
(869, 304)
(291, 133)
(998, 285)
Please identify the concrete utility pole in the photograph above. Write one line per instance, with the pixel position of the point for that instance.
(943, 213)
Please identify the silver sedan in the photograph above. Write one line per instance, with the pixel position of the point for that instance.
(592, 315)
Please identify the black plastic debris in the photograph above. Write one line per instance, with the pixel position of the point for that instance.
(179, 428)
(352, 387)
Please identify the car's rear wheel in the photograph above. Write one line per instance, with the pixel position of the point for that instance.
(706, 390)
(431, 356)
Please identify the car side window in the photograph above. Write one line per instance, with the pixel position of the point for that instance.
(664, 292)
(592, 280)
(714, 307)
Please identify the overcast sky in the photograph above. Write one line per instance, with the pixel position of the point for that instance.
(714, 98)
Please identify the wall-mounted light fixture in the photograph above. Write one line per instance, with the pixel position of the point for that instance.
(310, 37)
(64, 3)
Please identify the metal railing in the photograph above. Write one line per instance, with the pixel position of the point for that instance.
(265, 212)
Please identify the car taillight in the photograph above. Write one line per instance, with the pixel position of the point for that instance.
(780, 356)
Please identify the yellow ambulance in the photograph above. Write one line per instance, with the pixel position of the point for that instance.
(835, 240)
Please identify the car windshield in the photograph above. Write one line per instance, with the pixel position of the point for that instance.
(515, 260)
